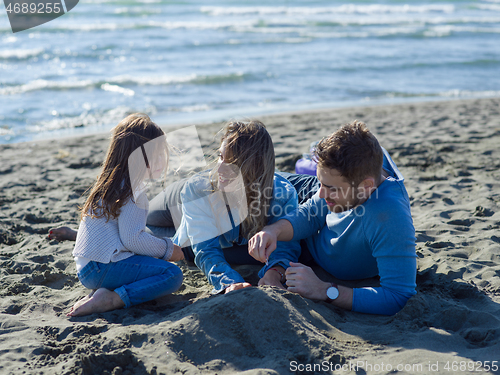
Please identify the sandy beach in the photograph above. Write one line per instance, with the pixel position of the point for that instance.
(450, 156)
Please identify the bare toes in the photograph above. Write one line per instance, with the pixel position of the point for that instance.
(101, 301)
(62, 234)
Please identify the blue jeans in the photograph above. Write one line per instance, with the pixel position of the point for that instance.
(136, 279)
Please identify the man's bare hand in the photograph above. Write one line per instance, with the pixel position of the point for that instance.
(237, 286)
(262, 244)
(302, 280)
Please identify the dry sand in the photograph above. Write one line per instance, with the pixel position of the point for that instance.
(449, 154)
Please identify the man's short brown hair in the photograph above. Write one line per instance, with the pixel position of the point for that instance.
(353, 151)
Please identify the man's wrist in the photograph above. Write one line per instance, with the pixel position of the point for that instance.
(332, 293)
(324, 290)
(273, 230)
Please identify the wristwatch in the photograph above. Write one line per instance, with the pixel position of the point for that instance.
(332, 293)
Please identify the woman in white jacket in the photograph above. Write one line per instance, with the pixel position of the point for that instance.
(220, 209)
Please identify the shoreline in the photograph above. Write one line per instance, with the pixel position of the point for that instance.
(448, 153)
(214, 118)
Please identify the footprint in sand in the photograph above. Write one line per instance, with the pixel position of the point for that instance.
(448, 201)
(13, 309)
(495, 239)
(483, 212)
(461, 222)
(480, 336)
(452, 318)
(439, 245)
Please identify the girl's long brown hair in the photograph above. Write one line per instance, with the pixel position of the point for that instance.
(250, 147)
(113, 188)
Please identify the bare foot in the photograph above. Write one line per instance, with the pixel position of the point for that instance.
(62, 234)
(80, 302)
(101, 301)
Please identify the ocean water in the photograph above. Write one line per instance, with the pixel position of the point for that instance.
(185, 61)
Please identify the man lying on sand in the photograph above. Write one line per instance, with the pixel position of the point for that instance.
(358, 225)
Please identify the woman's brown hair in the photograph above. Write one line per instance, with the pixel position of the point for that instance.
(250, 147)
(113, 187)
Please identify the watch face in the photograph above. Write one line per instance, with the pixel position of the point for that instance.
(332, 292)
